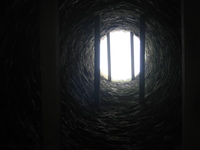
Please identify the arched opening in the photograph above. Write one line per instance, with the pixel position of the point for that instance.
(120, 56)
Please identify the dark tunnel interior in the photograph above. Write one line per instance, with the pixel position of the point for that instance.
(120, 122)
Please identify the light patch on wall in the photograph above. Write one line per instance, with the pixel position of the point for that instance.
(136, 55)
(104, 57)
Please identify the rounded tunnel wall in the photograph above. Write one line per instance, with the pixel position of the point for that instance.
(120, 122)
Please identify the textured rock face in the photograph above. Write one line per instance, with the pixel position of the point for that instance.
(20, 76)
(120, 122)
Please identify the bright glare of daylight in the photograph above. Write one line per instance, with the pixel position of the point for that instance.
(136, 55)
(120, 56)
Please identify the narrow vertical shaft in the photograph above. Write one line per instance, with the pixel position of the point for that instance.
(109, 58)
(132, 56)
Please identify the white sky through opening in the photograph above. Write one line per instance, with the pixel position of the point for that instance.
(120, 56)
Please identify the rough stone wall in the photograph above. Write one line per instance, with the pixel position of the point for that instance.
(120, 122)
(20, 76)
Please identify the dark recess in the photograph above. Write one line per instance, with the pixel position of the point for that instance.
(120, 122)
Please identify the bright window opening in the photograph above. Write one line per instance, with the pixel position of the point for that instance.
(120, 56)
